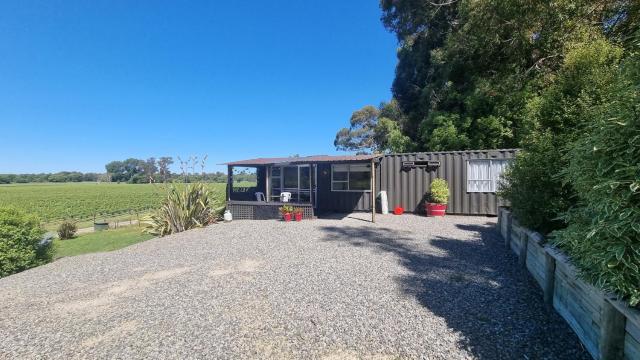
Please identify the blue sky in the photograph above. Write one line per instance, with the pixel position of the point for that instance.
(86, 82)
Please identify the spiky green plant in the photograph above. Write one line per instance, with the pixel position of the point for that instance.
(186, 206)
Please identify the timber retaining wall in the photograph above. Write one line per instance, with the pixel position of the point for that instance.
(608, 328)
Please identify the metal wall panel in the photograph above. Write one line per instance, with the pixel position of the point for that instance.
(409, 187)
(341, 201)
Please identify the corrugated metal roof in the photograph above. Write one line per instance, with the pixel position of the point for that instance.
(303, 159)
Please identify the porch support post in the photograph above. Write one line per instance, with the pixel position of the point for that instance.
(229, 181)
(373, 190)
(267, 182)
(311, 174)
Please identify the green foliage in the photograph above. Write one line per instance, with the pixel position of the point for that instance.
(536, 195)
(543, 76)
(185, 207)
(67, 229)
(51, 202)
(20, 242)
(537, 192)
(59, 177)
(603, 233)
(468, 70)
(374, 130)
(286, 209)
(439, 191)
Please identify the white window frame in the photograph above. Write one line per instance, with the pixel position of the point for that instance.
(492, 179)
(348, 178)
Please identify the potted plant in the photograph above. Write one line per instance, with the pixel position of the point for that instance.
(297, 213)
(439, 198)
(286, 211)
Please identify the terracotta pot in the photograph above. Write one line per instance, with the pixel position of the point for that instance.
(434, 209)
(298, 216)
(286, 217)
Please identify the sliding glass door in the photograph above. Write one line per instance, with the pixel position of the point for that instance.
(295, 179)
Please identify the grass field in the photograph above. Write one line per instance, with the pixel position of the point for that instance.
(100, 241)
(80, 201)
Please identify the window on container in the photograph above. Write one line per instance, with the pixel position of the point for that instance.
(485, 175)
(350, 177)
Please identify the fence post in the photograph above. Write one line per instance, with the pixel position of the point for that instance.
(507, 239)
(549, 278)
(522, 256)
(612, 332)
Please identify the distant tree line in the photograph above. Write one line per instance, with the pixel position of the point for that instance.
(154, 170)
(133, 171)
(63, 176)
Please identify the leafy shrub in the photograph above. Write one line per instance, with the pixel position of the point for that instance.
(67, 229)
(186, 206)
(603, 233)
(20, 242)
(533, 188)
(439, 191)
(286, 209)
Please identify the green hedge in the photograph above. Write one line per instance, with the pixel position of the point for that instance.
(578, 176)
(20, 237)
(603, 233)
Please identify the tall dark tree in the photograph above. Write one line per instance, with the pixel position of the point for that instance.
(163, 167)
(125, 170)
(467, 70)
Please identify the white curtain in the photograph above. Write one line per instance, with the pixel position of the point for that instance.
(479, 176)
(497, 170)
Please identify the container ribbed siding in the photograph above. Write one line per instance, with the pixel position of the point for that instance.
(409, 187)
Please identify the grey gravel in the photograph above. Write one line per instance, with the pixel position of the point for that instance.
(405, 287)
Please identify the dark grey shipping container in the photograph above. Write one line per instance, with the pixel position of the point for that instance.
(408, 187)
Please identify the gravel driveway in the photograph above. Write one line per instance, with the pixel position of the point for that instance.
(405, 287)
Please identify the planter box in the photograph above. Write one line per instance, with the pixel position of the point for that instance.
(516, 234)
(579, 303)
(536, 258)
(631, 329)
(608, 328)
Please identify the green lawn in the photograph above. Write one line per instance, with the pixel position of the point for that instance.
(100, 241)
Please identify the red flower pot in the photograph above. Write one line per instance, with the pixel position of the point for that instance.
(286, 217)
(398, 210)
(434, 209)
(298, 216)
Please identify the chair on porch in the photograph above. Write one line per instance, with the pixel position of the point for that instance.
(285, 196)
(260, 197)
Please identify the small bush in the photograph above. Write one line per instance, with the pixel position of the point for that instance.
(185, 207)
(439, 191)
(21, 244)
(67, 230)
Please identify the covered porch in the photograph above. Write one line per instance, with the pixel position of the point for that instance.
(254, 186)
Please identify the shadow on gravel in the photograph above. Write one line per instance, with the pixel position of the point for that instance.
(476, 286)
